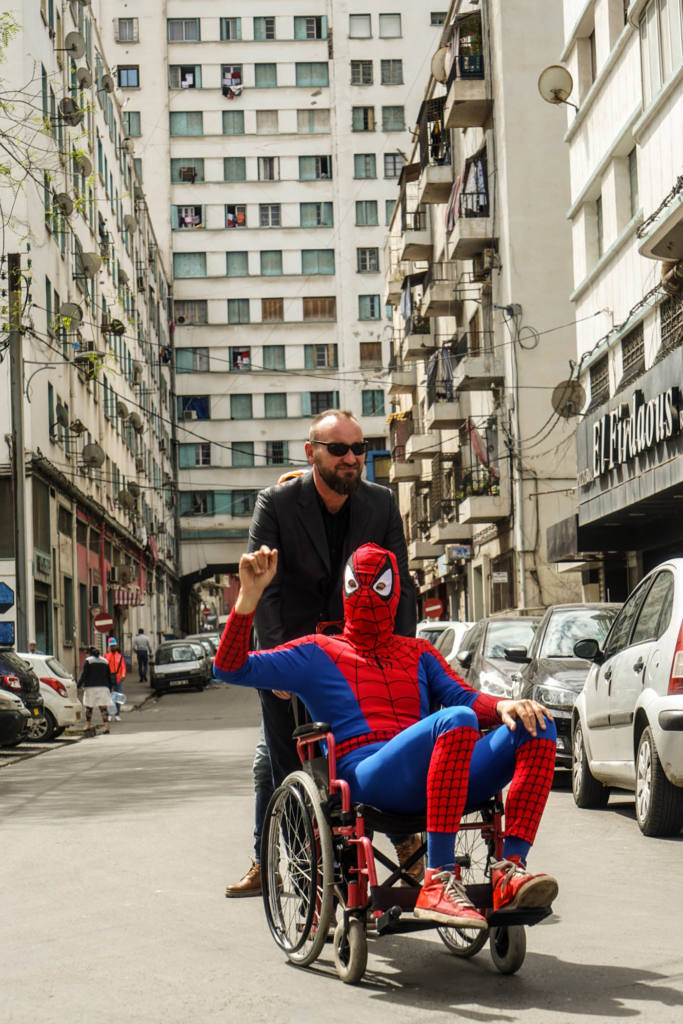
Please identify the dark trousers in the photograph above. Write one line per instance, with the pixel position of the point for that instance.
(279, 724)
(143, 659)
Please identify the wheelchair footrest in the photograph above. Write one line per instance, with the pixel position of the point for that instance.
(529, 917)
(396, 920)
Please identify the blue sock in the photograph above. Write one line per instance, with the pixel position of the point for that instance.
(514, 847)
(441, 850)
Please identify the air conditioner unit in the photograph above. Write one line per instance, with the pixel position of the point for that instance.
(187, 174)
(189, 414)
(139, 464)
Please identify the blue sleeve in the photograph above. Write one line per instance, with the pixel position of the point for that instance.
(286, 668)
(450, 690)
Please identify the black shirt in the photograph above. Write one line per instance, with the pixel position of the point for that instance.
(336, 528)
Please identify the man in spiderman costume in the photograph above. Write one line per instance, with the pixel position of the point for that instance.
(376, 690)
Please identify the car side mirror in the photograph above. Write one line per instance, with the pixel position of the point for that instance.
(464, 658)
(589, 650)
(518, 655)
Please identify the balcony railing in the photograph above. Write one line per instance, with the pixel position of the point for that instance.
(417, 324)
(473, 343)
(474, 204)
(466, 65)
(415, 220)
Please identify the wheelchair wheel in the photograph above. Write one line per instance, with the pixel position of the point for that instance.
(508, 948)
(297, 869)
(350, 953)
(473, 854)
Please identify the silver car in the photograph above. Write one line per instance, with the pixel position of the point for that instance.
(179, 664)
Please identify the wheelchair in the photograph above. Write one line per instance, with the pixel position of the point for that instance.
(319, 869)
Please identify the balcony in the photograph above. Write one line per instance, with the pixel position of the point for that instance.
(435, 184)
(447, 411)
(419, 340)
(485, 508)
(450, 531)
(477, 363)
(403, 380)
(468, 100)
(421, 551)
(393, 289)
(422, 446)
(403, 471)
(472, 231)
(416, 237)
(440, 296)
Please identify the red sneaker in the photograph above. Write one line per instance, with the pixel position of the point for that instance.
(516, 888)
(443, 898)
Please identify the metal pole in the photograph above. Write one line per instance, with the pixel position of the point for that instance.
(18, 470)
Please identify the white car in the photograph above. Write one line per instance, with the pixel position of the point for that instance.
(431, 629)
(627, 723)
(449, 642)
(59, 691)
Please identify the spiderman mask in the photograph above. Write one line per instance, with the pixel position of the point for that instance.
(371, 593)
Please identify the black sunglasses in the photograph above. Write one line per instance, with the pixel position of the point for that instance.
(339, 449)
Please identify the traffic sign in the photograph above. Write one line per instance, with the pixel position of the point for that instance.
(6, 597)
(103, 622)
(433, 608)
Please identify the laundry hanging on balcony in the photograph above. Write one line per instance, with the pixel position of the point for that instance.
(453, 207)
(440, 375)
(406, 306)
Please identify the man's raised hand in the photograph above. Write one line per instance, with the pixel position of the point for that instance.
(256, 571)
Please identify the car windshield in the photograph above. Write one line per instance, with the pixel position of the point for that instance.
(169, 655)
(57, 667)
(431, 635)
(500, 635)
(567, 625)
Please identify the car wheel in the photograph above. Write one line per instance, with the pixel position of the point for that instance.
(588, 792)
(58, 732)
(659, 804)
(42, 729)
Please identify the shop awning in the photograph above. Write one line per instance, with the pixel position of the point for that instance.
(128, 597)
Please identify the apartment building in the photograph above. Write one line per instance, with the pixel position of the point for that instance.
(95, 394)
(478, 272)
(273, 137)
(625, 148)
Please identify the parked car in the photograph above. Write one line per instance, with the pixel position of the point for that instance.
(627, 723)
(206, 642)
(59, 691)
(482, 652)
(552, 674)
(179, 664)
(450, 640)
(17, 677)
(212, 638)
(14, 719)
(431, 629)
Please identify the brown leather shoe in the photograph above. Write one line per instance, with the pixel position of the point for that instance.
(248, 885)
(405, 850)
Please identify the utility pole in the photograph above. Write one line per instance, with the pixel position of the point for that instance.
(18, 469)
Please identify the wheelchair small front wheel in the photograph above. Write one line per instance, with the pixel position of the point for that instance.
(350, 951)
(508, 948)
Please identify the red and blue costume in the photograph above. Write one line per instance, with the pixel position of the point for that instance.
(377, 690)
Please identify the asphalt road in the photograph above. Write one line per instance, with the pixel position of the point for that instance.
(116, 851)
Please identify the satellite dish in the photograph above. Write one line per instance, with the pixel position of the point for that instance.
(568, 398)
(108, 83)
(555, 84)
(62, 415)
(70, 112)
(74, 44)
(128, 145)
(439, 70)
(91, 263)
(129, 222)
(135, 420)
(92, 456)
(115, 327)
(84, 77)
(84, 164)
(65, 203)
(126, 499)
(122, 410)
(71, 312)
(133, 488)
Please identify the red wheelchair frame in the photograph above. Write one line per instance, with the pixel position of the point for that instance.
(318, 859)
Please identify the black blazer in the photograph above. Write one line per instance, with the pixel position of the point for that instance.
(288, 517)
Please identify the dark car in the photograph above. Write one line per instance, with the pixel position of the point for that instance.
(17, 676)
(552, 673)
(482, 657)
(14, 719)
(179, 664)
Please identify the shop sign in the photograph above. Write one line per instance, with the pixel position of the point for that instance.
(629, 430)
(499, 577)
(457, 551)
(441, 565)
(43, 565)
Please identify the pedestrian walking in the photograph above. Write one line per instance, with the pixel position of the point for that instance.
(142, 645)
(97, 682)
(117, 667)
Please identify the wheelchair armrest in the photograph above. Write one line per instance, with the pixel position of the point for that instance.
(311, 729)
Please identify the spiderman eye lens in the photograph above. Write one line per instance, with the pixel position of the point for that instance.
(350, 581)
(384, 583)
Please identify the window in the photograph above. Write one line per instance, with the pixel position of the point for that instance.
(272, 311)
(393, 162)
(192, 455)
(370, 354)
(359, 26)
(235, 216)
(312, 74)
(184, 76)
(393, 119)
(390, 26)
(186, 122)
(187, 217)
(240, 407)
(275, 406)
(361, 72)
(264, 28)
(265, 76)
(392, 72)
(240, 359)
(231, 80)
(671, 323)
(320, 357)
(238, 311)
(234, 168)
(317, 261)
(183, 30)
(190, 311)
(273, 355)
(323, 307)
(599, 379)
(267, 122)
(242, 503)
(599, 227)
(231, 28)
(632, 355)
(268, 168)
(187, 169)
(310, 28)
(132, 123)
(196, 503)
(366, 213)
(193, 407)
(271, 262)
(437, 18)
(237, 264)
(314, 402)
(389, 205)
(65, 521)
(311, 122)
(242, 453)
(655, 614)
(372, 403)
(128, 76)
(68, 617)
(192, 360)
(315, 168)
(633, 181)
(189, 264)
(364, 165)
(233, 122)
(269, 215)
(369, 307)
(661, 44)
(277, 453)
(362, 119)
(619, 634)
(367, 260)
(127, 30)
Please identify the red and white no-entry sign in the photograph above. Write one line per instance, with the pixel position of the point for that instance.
(103, 622)
(433, 608)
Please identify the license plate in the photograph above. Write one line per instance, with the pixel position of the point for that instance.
(178, 682)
